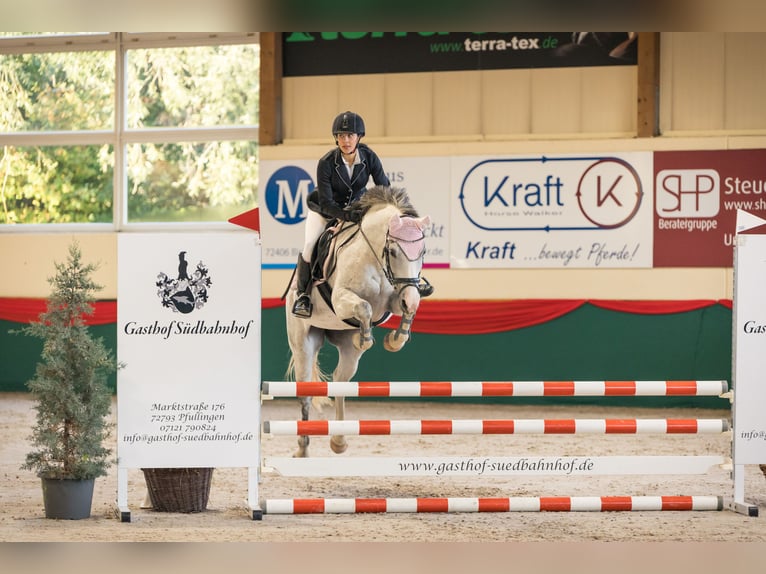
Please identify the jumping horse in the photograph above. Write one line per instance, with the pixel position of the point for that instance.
(372, 271)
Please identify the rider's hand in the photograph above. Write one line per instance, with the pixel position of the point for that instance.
(354, 215)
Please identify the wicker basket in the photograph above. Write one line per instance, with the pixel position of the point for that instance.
(178, 489)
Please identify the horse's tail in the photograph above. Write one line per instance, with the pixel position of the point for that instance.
(316, 375)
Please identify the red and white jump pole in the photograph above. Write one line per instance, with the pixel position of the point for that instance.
(511, 426)
(511, 504)
(494, 388)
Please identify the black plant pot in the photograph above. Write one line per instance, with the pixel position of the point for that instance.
(67, 498)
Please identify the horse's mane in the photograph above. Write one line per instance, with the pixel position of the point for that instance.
(388, 195)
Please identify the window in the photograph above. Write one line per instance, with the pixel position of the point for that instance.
(123, 130)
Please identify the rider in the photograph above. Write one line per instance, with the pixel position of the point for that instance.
(342, 177)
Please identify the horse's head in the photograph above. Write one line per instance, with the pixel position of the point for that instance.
(403, 253)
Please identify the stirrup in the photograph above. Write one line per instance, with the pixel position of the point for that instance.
(302, 306)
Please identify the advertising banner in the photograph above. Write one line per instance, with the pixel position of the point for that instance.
(625, 210)
(337, 53)
(188, 331)
(697, 195)
(749, 337)
(591, 211)
(285, 185)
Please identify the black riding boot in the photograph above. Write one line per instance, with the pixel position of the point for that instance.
(302, 306)
(425, 289)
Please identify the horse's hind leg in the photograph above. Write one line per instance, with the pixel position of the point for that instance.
(304, 344)
(348, 362)
(303, 441)
(338, 443)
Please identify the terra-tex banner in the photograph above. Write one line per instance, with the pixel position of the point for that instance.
(336, 53)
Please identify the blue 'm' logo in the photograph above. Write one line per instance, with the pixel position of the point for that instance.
(286, 193)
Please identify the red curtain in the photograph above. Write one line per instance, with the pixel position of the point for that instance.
(28, 310)
(654, 307)
(478, 317)
(443, 317)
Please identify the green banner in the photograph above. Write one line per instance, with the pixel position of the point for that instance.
(335, 53)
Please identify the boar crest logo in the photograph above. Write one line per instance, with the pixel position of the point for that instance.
(185, 293)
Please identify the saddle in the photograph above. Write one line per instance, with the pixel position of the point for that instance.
(323, 256)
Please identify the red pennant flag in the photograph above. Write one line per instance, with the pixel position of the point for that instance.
(248, 219)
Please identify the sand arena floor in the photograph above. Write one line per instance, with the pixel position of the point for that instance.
(227, 520)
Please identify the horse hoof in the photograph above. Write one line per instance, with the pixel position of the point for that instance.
(387, 346)
(301, 453)
(363, 344)
(338, 445)
(391, 342)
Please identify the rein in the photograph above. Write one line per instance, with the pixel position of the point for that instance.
(333, 260)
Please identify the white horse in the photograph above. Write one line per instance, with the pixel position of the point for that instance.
(373, 271)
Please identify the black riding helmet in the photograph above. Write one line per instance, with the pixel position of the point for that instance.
(348, 122)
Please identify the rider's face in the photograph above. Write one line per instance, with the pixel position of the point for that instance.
(347, 141)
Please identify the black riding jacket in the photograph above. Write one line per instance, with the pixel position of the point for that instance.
(335, 190)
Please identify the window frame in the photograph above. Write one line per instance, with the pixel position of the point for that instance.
(121, 136)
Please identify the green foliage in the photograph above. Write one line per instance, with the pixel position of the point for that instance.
(186, 87)
(189, 87)
(56, 184)
(70, 387)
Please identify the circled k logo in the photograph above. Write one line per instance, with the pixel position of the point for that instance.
(184, 293)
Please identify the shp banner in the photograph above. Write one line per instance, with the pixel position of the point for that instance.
(697, 196)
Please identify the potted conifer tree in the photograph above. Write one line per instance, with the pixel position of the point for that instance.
(71, 392)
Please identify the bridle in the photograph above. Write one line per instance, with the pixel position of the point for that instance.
(397, 283)
(384, 262)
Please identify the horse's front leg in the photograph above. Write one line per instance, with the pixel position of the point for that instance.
(348, 305)
(395, 340)
(408, 301)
